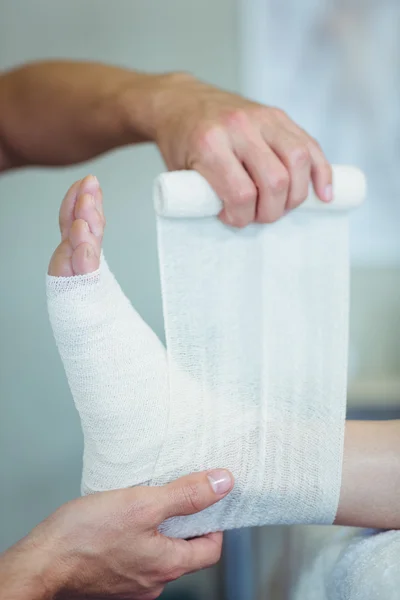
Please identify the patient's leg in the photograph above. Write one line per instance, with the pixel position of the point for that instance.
(118, 374)
(115, 364)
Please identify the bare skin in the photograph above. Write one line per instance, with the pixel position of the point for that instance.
(371, 465)
(70, 554)
(260, 163)
(371, 475)
(108, 545)
(256, 158)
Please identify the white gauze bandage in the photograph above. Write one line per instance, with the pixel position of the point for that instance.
(255, 377)
(257, 334)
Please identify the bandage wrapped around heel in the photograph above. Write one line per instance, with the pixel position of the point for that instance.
(117, 372)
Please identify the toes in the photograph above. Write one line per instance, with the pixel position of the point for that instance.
(61, 261)
(88, 185)
(86, 210)
(80, 234)
(66, 215)
(84, 259)
(82, 226)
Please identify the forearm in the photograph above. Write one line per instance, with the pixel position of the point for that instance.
(61, 113)
(371, 475)
(26, 573)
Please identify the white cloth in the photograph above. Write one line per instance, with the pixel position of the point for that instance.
(256, 326)
(346, 564)
(117, 371)
(368, 569)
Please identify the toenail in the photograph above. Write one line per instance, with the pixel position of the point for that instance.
(91, 185)
(93, 182)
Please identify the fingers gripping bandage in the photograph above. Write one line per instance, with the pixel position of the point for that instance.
(254, 378)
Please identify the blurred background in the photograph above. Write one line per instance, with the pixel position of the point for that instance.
(334, 66)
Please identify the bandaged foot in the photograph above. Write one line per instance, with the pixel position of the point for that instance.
(147, 421)
(115, 365)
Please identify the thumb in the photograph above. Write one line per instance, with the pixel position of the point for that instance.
(192, 493)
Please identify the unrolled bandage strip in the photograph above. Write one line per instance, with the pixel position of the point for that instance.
(255, 377)
(257, 336)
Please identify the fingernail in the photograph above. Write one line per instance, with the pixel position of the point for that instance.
(220, 480)
(328, 193)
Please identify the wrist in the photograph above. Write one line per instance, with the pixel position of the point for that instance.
(33, 569)
(146, 101)
(24, 573)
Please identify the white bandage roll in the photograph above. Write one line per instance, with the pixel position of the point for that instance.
(257, 335)
(171, 194)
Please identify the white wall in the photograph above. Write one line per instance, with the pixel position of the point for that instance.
(40, 438)
(299, 56)
(334, 66)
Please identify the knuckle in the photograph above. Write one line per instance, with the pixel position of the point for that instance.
(191, 497)
(279, 113)
(173, 574)
(279, 182)
(205, 140)
(260, 112)
(238, 118)
(243, 197)
(299, 156)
